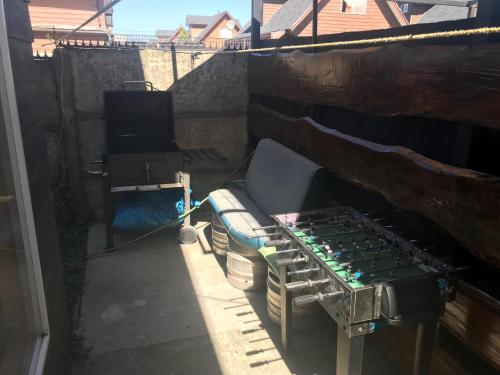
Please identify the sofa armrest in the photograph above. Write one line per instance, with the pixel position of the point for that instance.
(239, 184)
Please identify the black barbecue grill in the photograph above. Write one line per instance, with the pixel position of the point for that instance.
(142, 152)
(139, 122)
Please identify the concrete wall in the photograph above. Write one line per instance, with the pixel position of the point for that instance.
(50, 120)
(210, 99)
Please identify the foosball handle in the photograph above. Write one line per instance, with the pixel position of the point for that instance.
(298, 285)
(311, 298)
(276, 243)
(289, 261)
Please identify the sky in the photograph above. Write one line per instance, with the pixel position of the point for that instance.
(147, 16)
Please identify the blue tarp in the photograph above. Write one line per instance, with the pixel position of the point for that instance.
(142, 211)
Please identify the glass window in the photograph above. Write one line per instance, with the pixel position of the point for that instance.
(226, 33)
(23, 327)
(354, 6)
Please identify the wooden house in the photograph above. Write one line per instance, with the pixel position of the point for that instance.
(294, 17)
(430, 11)
(213, 30)
(170, 36)
(51, 19)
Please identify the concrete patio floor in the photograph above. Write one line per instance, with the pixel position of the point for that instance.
(157, 307)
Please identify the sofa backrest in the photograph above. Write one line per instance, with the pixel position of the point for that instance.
(280, 180)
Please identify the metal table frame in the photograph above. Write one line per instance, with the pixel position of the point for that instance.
(183, 180)
(350, 350)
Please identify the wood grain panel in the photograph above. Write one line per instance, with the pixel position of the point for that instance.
(475, 319)
(331, 19)
(397, 344)
(47, 16)
(270, 8)
(454, 83)
(464, 203)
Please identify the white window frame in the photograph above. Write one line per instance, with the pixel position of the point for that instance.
(225, 29)
(362, 11)
(23, 202)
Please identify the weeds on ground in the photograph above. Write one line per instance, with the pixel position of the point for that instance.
(73, 245)
(73, 234)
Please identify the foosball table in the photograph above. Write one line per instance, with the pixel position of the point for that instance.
(364, 275)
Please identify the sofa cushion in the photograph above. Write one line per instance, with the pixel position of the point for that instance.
(280, 180)
(241, 217)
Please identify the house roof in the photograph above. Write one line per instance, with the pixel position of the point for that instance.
(439, 13)
(209, 22)
(294, 10)
(245, 29)
(396, 11)
(287, 16)
(167, 33)
(199, 20)
(459, 3)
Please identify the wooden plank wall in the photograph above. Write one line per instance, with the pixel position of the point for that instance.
(381, 33)
(270, 8)
(331, 19)
(475, 319)
(64, 13)
(464, 202)
(456, 83)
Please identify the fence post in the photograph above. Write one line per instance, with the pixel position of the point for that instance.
(256, 22)
(174, 63)
(315, 22)
(488, 15)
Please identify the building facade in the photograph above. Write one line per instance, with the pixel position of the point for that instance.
(52, 19)
(213, 31)
(334, 16)
(294, 17)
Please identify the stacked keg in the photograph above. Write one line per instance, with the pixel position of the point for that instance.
(303, 316)
(219, 236)
(246, 269)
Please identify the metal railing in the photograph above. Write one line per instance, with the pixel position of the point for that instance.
(156, 42)
(152, 41)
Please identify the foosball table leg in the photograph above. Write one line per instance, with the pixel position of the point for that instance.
(108, 207)
(426, 336)
(349, 353)
(286, 309)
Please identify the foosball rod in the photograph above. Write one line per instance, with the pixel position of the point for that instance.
(337, 218)
(376, 257)
(364, 249)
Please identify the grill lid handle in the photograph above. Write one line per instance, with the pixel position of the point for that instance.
(145, 83)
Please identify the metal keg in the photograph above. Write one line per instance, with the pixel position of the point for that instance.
(244, 273)
(303, 316)
(219, 236)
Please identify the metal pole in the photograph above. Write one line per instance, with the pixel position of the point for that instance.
(315, 22)
(426, 336)
(286, 309)
(256, 22)
(487, 15)
(350, 353)
(108, 206)
(312, 112)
